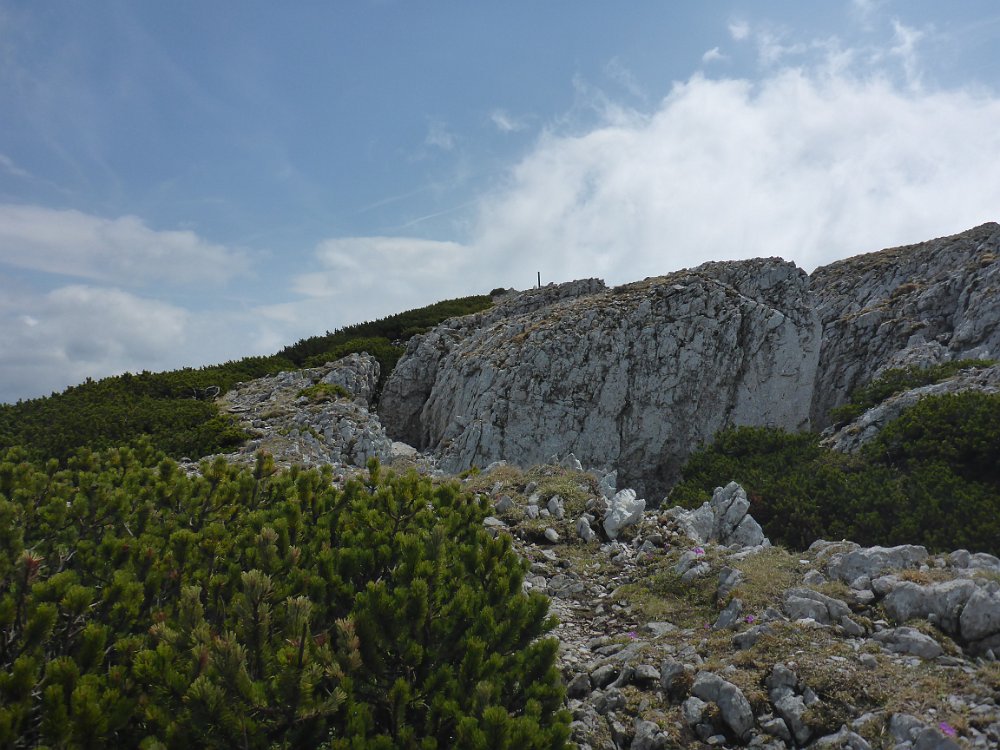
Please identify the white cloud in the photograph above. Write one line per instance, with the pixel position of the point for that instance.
(122, 250)
(739, 30)
(808, 165)
(366, 277)
(81, 331)
(865, 10)
(505, 122)
(616, 70)
(8, 165)
(905, 44)
(713, 55)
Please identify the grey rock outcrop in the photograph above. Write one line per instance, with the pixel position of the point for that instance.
(324, 427)
(871, 562)
(631, 377)
(920, 304)
(941, 602)
(724, 519)
(734, 708)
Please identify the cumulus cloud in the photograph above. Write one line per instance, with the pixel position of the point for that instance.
(806, 165)
(122, 250)
(739, 30)
(810, 163)
(78, 331)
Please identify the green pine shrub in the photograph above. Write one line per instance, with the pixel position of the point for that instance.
(931, 477)
(176, 409)
(140, 607)
(896, 381)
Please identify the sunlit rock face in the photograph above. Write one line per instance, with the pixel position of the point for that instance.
(632, 377)
(920, 304)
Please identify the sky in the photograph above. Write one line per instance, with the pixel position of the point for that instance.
(186, 183)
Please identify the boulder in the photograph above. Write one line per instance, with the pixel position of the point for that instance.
(942, 602)
(906, 640)
(873, 562)
(623, 510)
(980, 619)
(801, 603)
(734, 708)
(724, 519)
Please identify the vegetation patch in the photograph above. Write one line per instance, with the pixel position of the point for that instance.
(322, 392)
(143, 608)
(896, 381)
(931, 477)
(176, 409)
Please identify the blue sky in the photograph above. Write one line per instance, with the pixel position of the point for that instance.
(185, 183)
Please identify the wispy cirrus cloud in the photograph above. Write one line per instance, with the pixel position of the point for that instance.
(506, 122)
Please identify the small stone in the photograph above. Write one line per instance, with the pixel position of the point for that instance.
(659, 628)
(730, 616)
(579, 686)
(555, 507)
(504, 504)
(584, 531)
(646, 676)
(551, 535)
(604, 675)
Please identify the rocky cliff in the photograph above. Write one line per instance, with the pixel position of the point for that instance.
(920, 304)
(635, 377)
(631, 377)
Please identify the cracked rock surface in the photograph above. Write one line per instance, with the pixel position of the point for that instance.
(630, 377)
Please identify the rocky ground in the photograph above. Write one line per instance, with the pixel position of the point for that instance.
(313, 417)
(688, 629)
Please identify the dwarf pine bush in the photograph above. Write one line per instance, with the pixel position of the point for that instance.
(140, 607)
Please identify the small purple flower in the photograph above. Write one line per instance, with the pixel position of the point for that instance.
(750, 619)
(699, 551)
(947, 728)
(632, 635)
(708, 626)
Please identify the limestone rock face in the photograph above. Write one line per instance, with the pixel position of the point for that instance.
(407, 390)
(632, 377)
(920, 304)
(311, 431)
